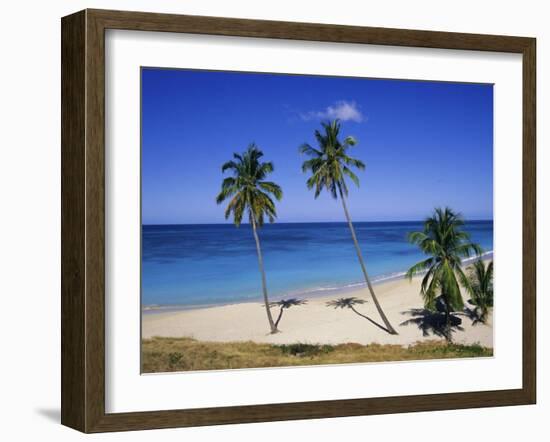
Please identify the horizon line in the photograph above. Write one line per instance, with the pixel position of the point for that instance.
(306, 222)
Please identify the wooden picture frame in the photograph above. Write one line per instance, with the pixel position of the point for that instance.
(83, 220)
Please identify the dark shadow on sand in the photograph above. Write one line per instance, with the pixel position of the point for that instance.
(432, 323)
(472, 315)
(372, 321)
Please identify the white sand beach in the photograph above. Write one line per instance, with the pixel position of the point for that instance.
(316, 323)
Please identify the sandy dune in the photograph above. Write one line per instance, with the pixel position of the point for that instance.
(315, 322)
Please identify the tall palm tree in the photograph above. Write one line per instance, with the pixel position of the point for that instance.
(252, 195)
(329, 164)
(480, 287)
(446, 244)
(285, 304)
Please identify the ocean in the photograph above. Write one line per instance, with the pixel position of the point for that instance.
(185, 266)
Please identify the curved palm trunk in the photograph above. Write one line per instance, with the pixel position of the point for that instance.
(272, 325)
(390, 330)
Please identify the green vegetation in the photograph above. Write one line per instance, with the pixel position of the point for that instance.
(329, 164)
(249, 192)
(479, 284)
(305, 350)
(285, 304)
(174, 358)
(185, 354)
(446, 244)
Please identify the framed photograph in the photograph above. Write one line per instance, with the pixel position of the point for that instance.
(267, 221)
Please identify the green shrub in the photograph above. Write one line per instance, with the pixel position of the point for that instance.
(302, 350)
(174, 358)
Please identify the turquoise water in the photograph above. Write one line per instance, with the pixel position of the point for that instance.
(208, 264)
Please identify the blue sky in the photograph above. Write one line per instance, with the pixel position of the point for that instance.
(425, 144)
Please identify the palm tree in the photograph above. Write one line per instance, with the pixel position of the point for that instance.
(480, 288)
(446, 244)
(351, 303)
(329, 164)
(284, 304)
(251, 194)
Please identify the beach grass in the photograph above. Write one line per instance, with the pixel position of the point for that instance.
(187, 354)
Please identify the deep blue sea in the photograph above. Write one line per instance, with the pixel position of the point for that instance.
(207, 264)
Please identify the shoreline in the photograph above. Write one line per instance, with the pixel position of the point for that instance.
(316, 323)
(314, 293)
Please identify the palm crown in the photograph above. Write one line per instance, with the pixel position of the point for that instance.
(447, 244)
(330, 163)
(248, 189)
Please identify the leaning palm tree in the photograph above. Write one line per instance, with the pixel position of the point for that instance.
(329, 164)
(250, 194)
(480, 287)
(446, 244)
(285, 304)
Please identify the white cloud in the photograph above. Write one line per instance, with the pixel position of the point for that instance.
(342, 110)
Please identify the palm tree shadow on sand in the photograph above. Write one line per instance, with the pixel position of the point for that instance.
(350, 303)
(474, 315)
(433, 323)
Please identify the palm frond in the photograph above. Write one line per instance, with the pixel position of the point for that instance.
(347, 171)
(420, 267)
(272, 188)
(480, 287)
(468, 249)
(431, 285)
(349, 141)
(230, 165)
(353, 162)
(309, 150)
